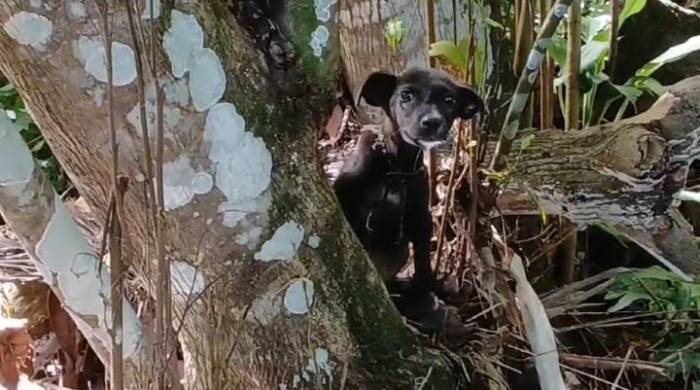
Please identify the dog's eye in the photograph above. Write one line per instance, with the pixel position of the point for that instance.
(450, 100)
(406, 96)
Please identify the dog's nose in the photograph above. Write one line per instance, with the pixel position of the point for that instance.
(431, 123)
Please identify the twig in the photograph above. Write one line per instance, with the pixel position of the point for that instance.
(622, 369)
(115, 246)
(613, 364)
(546, 82)
(448, 199)
(432, 158)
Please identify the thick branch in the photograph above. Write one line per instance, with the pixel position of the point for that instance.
(624, 174)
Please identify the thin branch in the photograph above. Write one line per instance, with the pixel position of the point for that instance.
(116, 261)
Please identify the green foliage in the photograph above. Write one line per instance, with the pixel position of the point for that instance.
(394, 34)
(658, 289)
(595, 35)
(12, 103)
(473, 47)
(674, 301)
(454, 54)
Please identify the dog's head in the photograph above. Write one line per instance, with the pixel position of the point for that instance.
(422, 103)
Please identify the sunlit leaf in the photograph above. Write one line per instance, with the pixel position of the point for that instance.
(594, 25)
(455, 55)
(672, 54)
(632, 7)
(394, 33)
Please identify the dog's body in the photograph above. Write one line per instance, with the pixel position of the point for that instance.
(384, 191)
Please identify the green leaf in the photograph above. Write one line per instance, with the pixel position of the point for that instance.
(494, 24)
(632, 7)
(627, 300)
(394, 33)
(631, 93)
(672, 54)
(455, 55)
(592, 26)
(656, 273)
(526, 142)
(653, 85)
(557, 50)
(592, 52)
(598, 78)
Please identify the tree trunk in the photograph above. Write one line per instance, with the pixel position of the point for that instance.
(273, 286)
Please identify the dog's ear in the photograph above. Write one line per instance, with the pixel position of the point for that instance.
(471, 103)
(378, 89)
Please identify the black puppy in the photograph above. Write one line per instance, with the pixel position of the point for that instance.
(383, 190)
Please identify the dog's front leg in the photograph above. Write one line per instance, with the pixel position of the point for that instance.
(423, 278)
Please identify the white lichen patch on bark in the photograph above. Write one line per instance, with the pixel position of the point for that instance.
(207, 79)
(28, 28)
(93, 55)
(16, 165)
(249, 237)
(151, 6)
(183, 38)
(319, 363)
(171, 118)
(223, 129)
(97, 94)
(62, 245)
(319, 40)
(246, 171)
(177, 182)
(283, 244)
(242, 162)
(234, 213)
(299, 296)
(176, 92)
(314, 241)
(202, 183)
(186, 279)
(323, 9)
(64, 252)
(75, 10)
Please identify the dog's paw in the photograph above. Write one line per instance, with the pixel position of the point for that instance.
(432, 316)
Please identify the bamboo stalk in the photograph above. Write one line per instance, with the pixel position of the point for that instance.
(526, 82)
(546, 80)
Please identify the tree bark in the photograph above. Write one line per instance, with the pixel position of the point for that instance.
(273, 287)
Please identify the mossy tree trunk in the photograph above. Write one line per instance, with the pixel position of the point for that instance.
(273, 286)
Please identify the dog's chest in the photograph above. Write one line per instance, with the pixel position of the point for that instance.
(390, 204)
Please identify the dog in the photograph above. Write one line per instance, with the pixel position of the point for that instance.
(383, 190)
